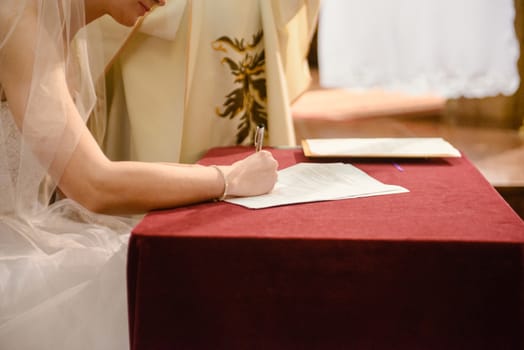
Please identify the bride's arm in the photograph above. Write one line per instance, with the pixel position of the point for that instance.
(128, 187)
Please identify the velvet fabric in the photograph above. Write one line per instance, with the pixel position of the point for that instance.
(440, 267)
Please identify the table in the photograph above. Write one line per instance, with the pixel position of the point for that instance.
(440, 267)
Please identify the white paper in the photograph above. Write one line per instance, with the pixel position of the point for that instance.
(312, 182)
(382, 147)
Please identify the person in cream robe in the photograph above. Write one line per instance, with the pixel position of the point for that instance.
(202, 74)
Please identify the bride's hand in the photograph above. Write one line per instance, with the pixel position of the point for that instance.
(251, 176)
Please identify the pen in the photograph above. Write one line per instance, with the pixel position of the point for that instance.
(259, 137)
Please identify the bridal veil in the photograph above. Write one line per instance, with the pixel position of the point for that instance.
(62, 268)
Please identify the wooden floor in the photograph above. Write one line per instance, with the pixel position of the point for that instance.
(497, 153)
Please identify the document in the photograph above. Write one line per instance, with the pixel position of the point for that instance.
(403, 147)
(312, 182)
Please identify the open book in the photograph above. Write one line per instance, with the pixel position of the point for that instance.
(410, 147)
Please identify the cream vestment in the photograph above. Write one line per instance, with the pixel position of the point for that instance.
(204, 73)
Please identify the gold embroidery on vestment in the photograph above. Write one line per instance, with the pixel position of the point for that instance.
(248, 67)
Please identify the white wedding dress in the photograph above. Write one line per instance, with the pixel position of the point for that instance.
(62, 268)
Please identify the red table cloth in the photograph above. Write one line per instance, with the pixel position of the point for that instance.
(440, 267)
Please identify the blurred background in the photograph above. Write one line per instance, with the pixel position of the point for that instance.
(450, 69)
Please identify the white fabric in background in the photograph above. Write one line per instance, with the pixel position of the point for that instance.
(449, 48)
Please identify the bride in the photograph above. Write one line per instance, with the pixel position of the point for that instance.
(62, 249)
